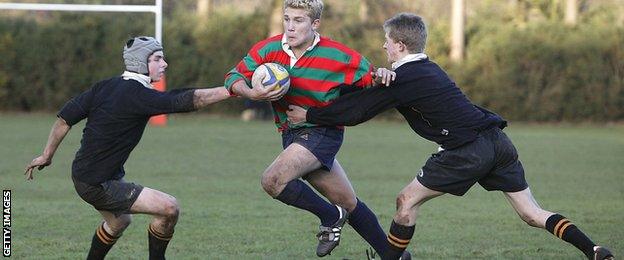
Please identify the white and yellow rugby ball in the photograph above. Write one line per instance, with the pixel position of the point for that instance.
(271, 75)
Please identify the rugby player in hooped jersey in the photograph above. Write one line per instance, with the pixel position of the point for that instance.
(319, 68)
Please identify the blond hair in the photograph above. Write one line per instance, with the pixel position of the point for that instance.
(313, 7)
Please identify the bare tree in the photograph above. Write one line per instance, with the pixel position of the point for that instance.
(363, 10)
(203, 8)
(571, 12)
(457, 30)
(277, 14)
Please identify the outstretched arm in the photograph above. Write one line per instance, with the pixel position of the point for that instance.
(206, 96)
(58, 132)
(151, 102)
(349, 110)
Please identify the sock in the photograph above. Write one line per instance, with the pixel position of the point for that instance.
(365, 223)
(562, 228)
(157, 243)
(398, 238)
(101, 243)
(299, 195)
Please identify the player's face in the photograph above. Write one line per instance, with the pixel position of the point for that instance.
(156, 65)
(393, 49)
(299, 28)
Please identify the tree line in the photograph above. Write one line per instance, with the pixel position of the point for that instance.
(526, 59)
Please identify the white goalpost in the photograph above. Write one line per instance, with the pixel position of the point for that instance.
(156, 9)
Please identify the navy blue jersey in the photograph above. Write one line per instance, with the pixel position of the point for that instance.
(432, 104)
(117, 111)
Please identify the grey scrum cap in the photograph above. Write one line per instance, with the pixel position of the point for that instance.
(137, 50)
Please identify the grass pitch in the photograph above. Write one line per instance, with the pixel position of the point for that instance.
(213, 167)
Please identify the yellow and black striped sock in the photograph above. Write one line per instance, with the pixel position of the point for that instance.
(398, 240)
(157, 243)
(101, 243)
(564, 229)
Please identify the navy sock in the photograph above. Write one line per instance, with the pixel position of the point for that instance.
(365, 223)
(299, 195)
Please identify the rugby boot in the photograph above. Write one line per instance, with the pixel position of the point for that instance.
(370, 255)
(601, 253)
(329, 237)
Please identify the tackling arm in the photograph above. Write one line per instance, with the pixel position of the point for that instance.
(207, 96)
(349, 110)
(58, 132)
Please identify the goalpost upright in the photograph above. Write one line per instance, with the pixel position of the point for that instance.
(156, 9)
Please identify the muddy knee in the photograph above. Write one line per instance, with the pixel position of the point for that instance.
(171, 210)
(271, 183)
(405, 208)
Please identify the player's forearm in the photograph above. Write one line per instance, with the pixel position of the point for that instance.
(58, 132)
(353, 109)
(205, 97)
(240, 88)
(331, 116)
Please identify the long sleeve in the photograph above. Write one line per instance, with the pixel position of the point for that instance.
(353, 108)
(151, 102)
(77, 108)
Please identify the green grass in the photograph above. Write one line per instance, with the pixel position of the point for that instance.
(213, 167)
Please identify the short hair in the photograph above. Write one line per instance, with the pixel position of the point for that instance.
(410, 29)
(313, 7)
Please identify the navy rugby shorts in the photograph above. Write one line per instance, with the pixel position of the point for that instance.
(116, 196)
(323, 142)
(491, 160)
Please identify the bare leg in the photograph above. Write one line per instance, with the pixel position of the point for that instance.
(162, 206)
(281, 181)
(409, 200)
(529, 211)
(165, 211)
(402, 228)
(527, 208)
(113, 225)
(334, 185)
(292, 163)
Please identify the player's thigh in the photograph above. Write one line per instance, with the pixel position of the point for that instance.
(293, 162)
(334, 185)
(154, 202)
(415, 194)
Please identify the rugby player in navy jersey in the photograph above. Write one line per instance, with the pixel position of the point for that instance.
(117, 111)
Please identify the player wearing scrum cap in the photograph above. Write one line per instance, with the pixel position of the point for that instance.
(117, 111)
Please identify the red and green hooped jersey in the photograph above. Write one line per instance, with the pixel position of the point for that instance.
(314, 79)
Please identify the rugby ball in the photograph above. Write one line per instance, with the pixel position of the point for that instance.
(271, 75)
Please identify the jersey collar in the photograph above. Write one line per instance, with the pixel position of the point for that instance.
(144, 80)
(291, 54)
(409, 58)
